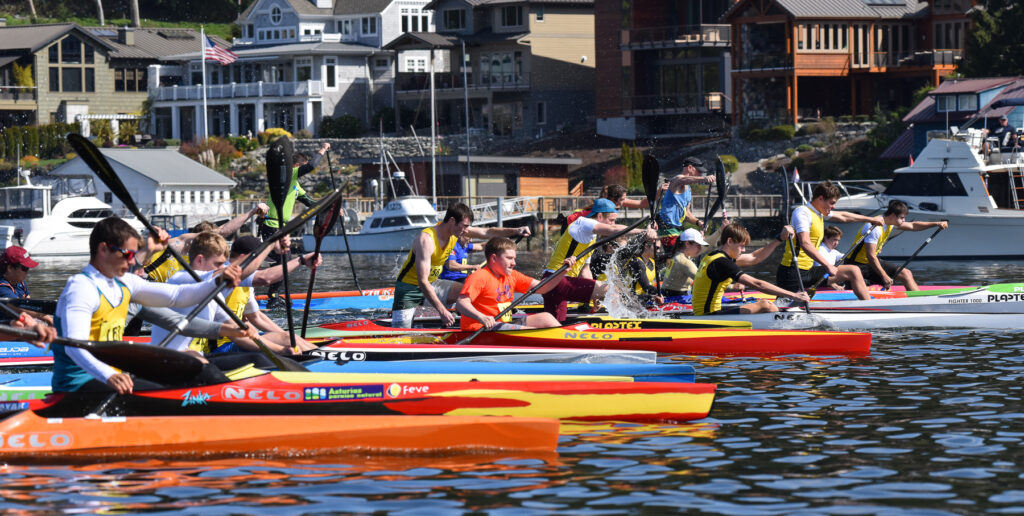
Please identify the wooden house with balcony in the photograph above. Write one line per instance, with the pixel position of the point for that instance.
(298, 61)
(524, 68)
(805, 59)
(662, 67)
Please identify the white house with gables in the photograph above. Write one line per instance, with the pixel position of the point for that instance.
(162, 182)
(298, 61)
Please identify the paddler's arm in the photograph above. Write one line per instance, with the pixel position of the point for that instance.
(871, 251)
(756, 257)
(846, 216)
(920, 225)
(254, 266)
(154, 244)
(45, 333)
(803, 241)
(230, 227)
(464, 305)
(315, 160)
(569, 263)
(79, 301)
(197, 328)
(769, 288)
(175, 296)
(273, 274)
(488, 233)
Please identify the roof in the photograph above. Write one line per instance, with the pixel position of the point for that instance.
(903, 147)
(867, 9)
(925, 111)
(154, 43)
(32, 38)
(422, 40)
(341, 7)
(263, 51)
(165, 167)
(477, 3)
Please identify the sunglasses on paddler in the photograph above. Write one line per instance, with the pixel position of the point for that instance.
(125, 253)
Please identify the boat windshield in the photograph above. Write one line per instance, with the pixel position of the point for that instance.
(21, 203)
(62, 187)
(925, 184)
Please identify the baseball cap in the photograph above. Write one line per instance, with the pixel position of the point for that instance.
(697, 163)
(245, 245)
(1003, 117)
(692, 235)
(602, 205)
(18, 255)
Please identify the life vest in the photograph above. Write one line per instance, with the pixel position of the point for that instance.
(816, 233)
(862, 254)
(437, 260)
(707, 293)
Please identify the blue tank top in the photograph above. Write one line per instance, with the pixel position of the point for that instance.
(673, 207)
(461, 255)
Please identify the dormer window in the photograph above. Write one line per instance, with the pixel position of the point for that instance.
(512, 16)
(369, 26)
(454, 19)
(944, 103)
(968, 102)
(275, 15)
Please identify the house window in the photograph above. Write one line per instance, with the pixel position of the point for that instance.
(303, 69)
(968, 102)
(249, 29)
(945, 103)
(454, 19)
(369, 26)
(345, 27)
(54, 79)
(71, 69)
(542, 113)
(275, 15)
(512, 16)
(130, 79)
(381, 62)
(415, 64)
(330, 78)
(539, 12)
(90, 80)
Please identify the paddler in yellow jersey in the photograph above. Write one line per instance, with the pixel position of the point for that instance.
(418, 278)
(579, 284)
(94, 305)
(809, 223)
(721, 267)
(644, 275)
(875, 269)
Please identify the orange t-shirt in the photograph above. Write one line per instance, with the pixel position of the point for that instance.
(491, 294)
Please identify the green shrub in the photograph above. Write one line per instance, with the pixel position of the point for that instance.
(803, 147)
(172, 142)
(272, 134)
(243, 143)
(730, 162)
(797, 162)
(303, 133)
(845, 119)
(126, 131)
(782, 132)
(818, 144)
(758, 135)
(863, 118)
(345, 126)
(101, 130)
(790, 152)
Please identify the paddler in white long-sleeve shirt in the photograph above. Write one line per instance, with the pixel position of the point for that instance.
(94, 305)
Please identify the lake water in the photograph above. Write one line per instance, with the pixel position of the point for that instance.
(931, 423)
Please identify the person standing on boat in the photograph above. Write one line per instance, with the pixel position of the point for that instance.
(877, 270)
(491, 289)
(418, 281)
(579, 284)
(457, 267)
(809, 223)
(94, 306)
(721, 267)
(302, 165)
(675, 205)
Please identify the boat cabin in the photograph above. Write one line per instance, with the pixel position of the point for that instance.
(39, 198)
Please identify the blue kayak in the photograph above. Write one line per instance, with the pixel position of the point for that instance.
(16, 353)
(639, 372)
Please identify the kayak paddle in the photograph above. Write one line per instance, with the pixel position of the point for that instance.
(323, 223)
(99, 164)
(925, 243)
(279, 182)
(792, 239)
(651, 173)
(43, 306)
(344, 234)
(545, 281)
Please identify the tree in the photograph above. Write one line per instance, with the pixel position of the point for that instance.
(994, 41)
(135, 14)
(23, 75)
(32, 7)
(99, 11)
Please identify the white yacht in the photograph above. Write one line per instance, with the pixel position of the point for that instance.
(389, 229)
(981, 197)
(52, 215)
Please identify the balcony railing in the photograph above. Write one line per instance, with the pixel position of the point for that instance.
(754, 62)
(925, 58)
(679, 103)
(419, 81)
(241, 90)
(18, 93)
(675, 36)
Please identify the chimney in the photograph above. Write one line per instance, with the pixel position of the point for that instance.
(324, 4)
(126, 36)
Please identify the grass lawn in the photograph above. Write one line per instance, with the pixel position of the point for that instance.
(218, 29)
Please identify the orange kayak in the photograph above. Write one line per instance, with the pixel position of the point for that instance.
(27, 436)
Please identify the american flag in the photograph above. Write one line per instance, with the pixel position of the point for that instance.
(221, 55)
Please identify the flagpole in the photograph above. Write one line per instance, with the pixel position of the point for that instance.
(202, 59)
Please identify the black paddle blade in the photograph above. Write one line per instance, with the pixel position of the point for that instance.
(153, 363)
(785, 196)
(651, 173)
(279, 171)
(96, 161)
(326, 219)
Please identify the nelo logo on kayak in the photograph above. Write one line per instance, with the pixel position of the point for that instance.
(344, 356)
(617, 325)
(1002, 298)
(343, 393)
(586, 335)
(241, 393)
(35, 440)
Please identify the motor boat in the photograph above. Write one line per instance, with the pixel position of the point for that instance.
(52, 216)
(952, 179)
(389, 229)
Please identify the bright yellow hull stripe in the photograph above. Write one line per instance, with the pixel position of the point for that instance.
(583, 405)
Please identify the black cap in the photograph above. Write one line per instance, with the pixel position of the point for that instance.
(244, 245)
(697, 163)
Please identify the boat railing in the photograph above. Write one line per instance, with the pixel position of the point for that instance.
(848, 188)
